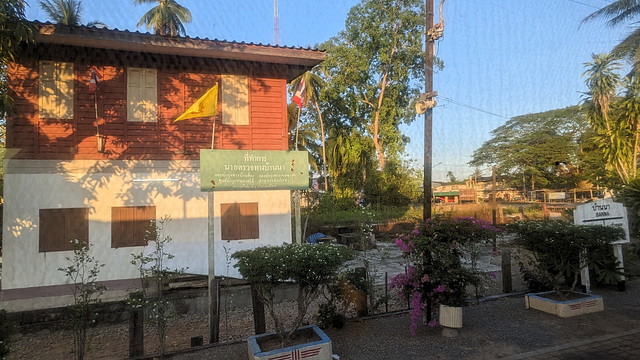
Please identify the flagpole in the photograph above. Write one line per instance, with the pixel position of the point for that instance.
(95, 103)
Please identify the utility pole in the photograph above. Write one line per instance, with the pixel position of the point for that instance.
(432, 33)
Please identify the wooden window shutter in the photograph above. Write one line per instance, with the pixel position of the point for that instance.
(130, 225)
(150, 94)
(235, 100)
(58, 227)
(239, 221)
(65, 88)
(249, 224)
(142, 95)
(46, 89)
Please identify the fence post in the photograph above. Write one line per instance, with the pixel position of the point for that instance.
(136, 328)
(214, 311)
(506, 270)
(259, 321)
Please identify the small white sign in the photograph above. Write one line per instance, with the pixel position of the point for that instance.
(603, 212)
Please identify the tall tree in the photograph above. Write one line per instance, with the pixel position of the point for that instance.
(374, 68)
(14, 30)
(65, 12)
(619, 12)
(313, 84)
(629, 107)
(166, 18)
(613, 132)
(535, 144)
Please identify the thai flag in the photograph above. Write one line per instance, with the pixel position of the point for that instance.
(95, 78)
(298, 97)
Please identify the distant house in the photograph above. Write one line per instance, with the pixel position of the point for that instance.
(98, 166)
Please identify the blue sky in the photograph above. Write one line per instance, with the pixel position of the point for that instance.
(502, 57)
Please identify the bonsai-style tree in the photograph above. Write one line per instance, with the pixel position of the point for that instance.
(436, 273)
(310, 267)
(560, 249)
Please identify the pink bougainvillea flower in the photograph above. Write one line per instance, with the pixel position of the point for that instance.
(425, 278)
(432, 323)
(415, 232)
(440, 288)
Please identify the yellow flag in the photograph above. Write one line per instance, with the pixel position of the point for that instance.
(207, 105)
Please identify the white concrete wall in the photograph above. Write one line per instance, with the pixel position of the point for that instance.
(31, 185)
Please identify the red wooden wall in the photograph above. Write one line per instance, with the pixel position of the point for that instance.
(37, 138)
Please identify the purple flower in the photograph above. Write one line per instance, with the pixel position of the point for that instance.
(415, 232)
(440, 288)
(493, 274)
(432, 323)
(425, 278)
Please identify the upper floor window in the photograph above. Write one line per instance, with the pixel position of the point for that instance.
(235, 100)
(142, 95)
(55, 93)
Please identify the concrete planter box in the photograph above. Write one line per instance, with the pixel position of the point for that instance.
(451, 316)
(587, 304)
(318, 349)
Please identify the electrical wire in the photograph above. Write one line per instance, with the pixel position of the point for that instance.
(585, 4)
(471, 107)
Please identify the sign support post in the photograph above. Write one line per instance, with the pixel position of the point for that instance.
(607, 213)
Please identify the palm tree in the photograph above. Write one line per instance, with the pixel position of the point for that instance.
(630, 109)
(612, 131)
(313, 83)
(65, 12)
(621, 11)
(166, 18)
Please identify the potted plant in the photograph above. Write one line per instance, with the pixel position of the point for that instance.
(560, 250)
(310, 267)
(436, 274)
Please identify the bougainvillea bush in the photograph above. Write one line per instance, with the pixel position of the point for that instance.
(436, 253)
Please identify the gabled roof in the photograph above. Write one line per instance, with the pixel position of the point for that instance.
(103, 38)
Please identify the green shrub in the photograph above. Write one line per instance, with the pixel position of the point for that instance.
(311, 267)
(557, 247)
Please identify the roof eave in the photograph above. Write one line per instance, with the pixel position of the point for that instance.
(126, 41)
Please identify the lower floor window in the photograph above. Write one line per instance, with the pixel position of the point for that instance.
(60, 228)
(239, 221)
(132, 225)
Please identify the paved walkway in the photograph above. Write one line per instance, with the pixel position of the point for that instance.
(494, 329)
(624, 345)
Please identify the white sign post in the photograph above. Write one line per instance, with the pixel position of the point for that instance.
(608, 213)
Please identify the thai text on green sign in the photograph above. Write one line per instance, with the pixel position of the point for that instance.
(229, 170)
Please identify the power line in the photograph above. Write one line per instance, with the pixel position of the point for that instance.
(471, 107)
(585, 4)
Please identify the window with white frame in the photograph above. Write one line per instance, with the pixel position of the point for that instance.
(142, 95)
(55, 90)
(235, 100)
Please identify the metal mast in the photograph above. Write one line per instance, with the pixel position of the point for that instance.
(276, 23)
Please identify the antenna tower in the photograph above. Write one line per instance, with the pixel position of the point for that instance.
(276, 22)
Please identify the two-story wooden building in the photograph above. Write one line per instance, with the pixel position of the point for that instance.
(99, 165)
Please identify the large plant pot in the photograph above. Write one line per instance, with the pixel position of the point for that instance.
(451, 316)
(582, 304)
(318, 347)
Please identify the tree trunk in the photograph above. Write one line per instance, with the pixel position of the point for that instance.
(324, 156)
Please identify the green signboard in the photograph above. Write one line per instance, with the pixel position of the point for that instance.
(229, 170)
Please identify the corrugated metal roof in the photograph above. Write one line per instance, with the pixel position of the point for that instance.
(175, 45)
